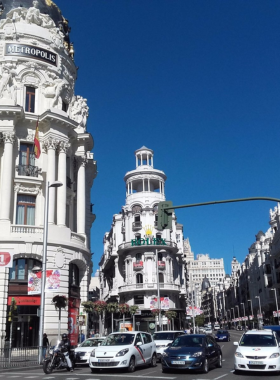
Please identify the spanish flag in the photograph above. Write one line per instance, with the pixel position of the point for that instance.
(37, 148)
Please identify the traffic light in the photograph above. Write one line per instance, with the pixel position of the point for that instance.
(164, 216)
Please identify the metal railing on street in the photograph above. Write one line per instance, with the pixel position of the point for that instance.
(18, 357)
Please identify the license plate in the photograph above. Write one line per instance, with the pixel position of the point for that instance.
(104, 360)
(255, 362)
(177, 362)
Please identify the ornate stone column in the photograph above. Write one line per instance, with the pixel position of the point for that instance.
(50, 146)
(6, 177)
(81, 196)
(61, 191)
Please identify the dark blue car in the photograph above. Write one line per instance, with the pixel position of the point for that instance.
(222, 336)
(196, 352)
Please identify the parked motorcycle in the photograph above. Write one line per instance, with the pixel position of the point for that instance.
(56, 359)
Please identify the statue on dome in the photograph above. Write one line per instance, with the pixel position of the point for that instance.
(79, 111)
(33, 14)
(7, 83)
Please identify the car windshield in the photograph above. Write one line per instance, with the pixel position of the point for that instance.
(163, 336)
(90, 343)
(257, 340)
(222, 332)
(118, 340)
(188, 341)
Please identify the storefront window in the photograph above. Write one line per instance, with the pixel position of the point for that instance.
(21, 267)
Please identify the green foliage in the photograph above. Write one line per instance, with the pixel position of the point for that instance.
(170, 314)
(88, 306)
(123, 308)
(13, 310)
(199, 320)
(112, 307)
(133, 309)
(60, 302)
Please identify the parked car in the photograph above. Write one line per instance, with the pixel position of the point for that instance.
(163, 338)
(124, 350)
(84, 349)
(196, 351)
(257, 350)
(222, 335)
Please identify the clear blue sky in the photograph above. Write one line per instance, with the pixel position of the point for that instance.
(199, 83)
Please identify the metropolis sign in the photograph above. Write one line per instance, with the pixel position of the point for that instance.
(157, 241)
(31, 52)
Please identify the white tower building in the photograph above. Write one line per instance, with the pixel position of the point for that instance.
(37, 79)
(128, 267)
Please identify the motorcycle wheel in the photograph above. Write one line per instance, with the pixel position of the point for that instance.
(47, 368)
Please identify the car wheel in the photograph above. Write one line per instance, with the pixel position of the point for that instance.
(153, 361)
(219, 362)
(237, 372)
(205, 368)
(131, 366)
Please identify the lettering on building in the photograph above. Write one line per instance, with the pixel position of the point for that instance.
(31, 52)
(148, 241)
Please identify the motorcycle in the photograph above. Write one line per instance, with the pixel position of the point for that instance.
(56, 359)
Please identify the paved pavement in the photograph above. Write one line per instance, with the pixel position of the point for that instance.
(146, 373)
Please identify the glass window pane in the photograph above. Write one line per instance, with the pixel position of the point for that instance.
(20, 215)
(21, 269)
(12, 271)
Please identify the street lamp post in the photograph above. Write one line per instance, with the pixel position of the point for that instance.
(252, 314)
(232, 308)
(260, 311)
(43, 280)
(158, 289)
(276, 304)
(238, 314)
(242, 303)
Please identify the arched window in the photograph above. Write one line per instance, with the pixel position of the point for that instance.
(74, 275)
(138, 257)
(161, 278)
(30, 99)
(139, 278)
(159, 256)
(21, 267)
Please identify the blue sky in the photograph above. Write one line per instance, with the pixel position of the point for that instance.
(198, 82)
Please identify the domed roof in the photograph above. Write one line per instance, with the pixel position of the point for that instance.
(45, 6)
(205, 284)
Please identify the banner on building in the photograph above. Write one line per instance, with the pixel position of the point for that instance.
(193, 310)
(35, 281)
(164, 303)
(275, 313)
(259, 316)
(52, 281)
(251, 317)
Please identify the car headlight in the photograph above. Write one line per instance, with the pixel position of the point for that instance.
(276, 355)
(164, 354)
(239, 355)
(161, 346)
(92, 354)
(196, 354)
(123, 352)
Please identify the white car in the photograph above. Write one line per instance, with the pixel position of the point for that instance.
(217, 327)
(163, 338)
(258, 350)
(208, 330)
(84, 349)
(124, 350)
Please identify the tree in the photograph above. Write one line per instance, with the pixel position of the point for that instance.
(123, 309)
(170, 315)
(60, 302)
(112, 308)
(133, 309)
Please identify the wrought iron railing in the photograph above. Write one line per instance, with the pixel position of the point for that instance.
(28, 170)
(18, 357)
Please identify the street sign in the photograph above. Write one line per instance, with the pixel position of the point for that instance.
(138, 323)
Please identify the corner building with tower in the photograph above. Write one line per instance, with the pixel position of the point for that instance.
(37, 80)
(128, 267)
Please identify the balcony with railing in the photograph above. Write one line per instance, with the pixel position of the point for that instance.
(136, 226)
(165, 286)
(148, 243)
(28, 170)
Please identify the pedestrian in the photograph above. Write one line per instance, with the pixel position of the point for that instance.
(45, 344)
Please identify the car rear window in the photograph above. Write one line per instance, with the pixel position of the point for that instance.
(257, 340)
(222, 332)
(188, 341)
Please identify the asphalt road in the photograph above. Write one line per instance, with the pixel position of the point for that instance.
(147, 373)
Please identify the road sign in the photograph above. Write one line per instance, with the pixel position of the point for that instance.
(137, 323)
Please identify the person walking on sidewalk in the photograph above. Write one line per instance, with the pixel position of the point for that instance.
(45, 344)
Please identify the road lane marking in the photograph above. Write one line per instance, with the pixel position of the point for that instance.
(99, 375)
(150, 372)
(219, 377)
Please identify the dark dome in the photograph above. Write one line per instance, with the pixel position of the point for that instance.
(205, 284)
(46, 6)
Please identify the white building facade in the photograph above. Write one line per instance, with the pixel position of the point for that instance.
(37, 79)
(128, 267)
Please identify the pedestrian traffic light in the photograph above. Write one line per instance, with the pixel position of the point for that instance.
(165, 216)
